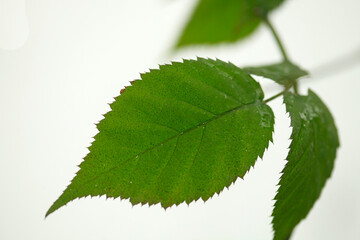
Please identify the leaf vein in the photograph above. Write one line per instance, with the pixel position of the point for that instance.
(210, 86)
(173, 137)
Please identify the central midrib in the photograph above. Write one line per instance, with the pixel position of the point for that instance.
(175, 136)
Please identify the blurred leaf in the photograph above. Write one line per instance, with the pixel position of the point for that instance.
(181, 133)
(284, 73)
(216, 21)
(310, 161)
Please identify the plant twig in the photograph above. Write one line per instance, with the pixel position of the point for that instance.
(277, 38)
(277, 95)
(296, 87)
(337, 65)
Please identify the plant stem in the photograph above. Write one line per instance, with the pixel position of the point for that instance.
(277, 38)
(277, 95)
(296, 87)
(337, 65)
(284, 54)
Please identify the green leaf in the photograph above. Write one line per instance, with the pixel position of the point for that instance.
(284, 73)
(215, 21)
(310, 161)
(182, 132)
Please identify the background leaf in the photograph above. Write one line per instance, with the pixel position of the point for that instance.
(215, 21)
(310, 161)
(284, 73)
(185, 131)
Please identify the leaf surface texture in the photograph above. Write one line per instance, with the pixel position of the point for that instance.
(181, 133)
(310, 161)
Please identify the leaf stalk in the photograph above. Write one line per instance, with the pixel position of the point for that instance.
(277, 38)
(277, 95)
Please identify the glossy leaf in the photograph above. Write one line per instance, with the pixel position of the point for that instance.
(310, 161)
(216, 21)
(181, 133)
(284, 73)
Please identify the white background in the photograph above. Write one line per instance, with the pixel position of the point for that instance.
(61, 62)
